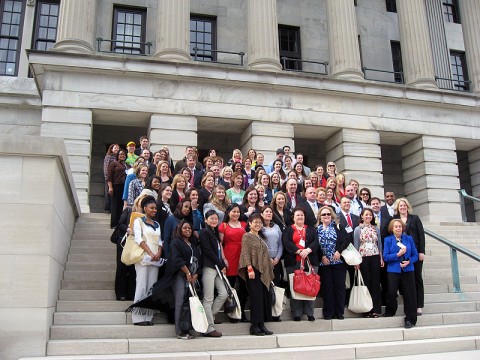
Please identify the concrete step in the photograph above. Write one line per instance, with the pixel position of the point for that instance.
(87, 285)
(100, 244)
(446, 271)
(93, 251)
(87, 295)
(439, 280)
(89, 275)
(88, 306)
(93, 258)
(79, 266)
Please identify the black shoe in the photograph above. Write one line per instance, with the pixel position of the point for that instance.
(327, 318)
(276, 319)
(340, 317)
(387, 315)
(233, 321)
(264, 329)
(244, 317)
(311, 318)
(122, 298)
(254, 330)
(408, 325)
(296, 318)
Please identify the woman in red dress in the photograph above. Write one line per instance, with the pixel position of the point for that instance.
(231, 233)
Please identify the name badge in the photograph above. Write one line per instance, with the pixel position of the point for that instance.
(348, 229)
(302, 243)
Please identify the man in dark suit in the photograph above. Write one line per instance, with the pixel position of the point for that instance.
(389, 201)
(196, 174)
(311, 207)
(382, 219)
(144, 143)
(293, 199)
(189, 150)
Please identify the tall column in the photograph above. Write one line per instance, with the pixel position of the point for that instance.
(174, 131)
(263, 49)
(266, 138)
(74, 126)
(474, 166)
(357, 155)
(343, 40)
(416, 48)
(76, 26)
(430, 173)
(469, 13)
(173, 39)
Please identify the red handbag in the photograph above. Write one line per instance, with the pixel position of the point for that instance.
(306, 283)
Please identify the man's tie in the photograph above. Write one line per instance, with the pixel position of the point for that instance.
(349, 220)
(192, 178)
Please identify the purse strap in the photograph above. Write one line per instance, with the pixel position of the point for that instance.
(192, 290)
(359, 277)
(311, 269)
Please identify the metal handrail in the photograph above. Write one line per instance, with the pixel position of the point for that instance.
(453, 81)
(196, 49)
(453, 256)
(148, 44)
(365, 69)
(463, 195)
(323, 63)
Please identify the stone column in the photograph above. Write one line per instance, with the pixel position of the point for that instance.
(267, 137)
(474, 165)
(263, 49)
(343, 40)
(74, 126)
(76, 26)
(174, 131)
(357, 155)
(173, 31)
(430, 173)
(417, 59)
(470, 12)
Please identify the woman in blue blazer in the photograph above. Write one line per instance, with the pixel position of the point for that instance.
(400, 253)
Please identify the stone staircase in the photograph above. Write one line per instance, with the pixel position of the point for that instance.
(90, 324)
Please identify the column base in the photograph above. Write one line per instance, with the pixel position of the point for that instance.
(426, 84)
(349, 74)
(174, 55)
(74, 46)
(265, 65)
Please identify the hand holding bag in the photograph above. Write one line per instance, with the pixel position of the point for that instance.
(277, 305)
(351, 255)
(306, 283)
(360, 300)
(197, 312)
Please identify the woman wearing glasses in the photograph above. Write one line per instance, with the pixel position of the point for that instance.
(333, 239)
(365, 196)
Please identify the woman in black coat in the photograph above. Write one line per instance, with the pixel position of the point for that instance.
(414, 228)
(300, 241)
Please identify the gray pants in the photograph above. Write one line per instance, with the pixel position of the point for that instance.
(147, 275)
(211, 281)
(301, 307)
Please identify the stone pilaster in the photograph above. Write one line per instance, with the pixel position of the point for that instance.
(430, 173)
(173, 32)
(263, 50)
(343, 40)
(174, 131)
(357, 155)
(266, 138)
(417, 58)
(474, 165)
(470, 12)
(76, 26)
(74, 126)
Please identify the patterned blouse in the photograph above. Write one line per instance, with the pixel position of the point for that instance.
(328, 242)
(366, 240)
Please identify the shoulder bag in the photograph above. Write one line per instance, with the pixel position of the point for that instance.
(306, 283)
(360, 300)
(197, 312)
(351, 255)
(277, 305)
(132, 253)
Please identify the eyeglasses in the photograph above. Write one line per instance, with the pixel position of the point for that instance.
(365, 194)
(326, 214)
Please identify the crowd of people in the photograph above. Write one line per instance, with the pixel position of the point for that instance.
(254, 223)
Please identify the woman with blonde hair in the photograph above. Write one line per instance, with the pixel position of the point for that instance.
(340, 188)
(218, 201)
(164, 172)
(413, 228)
(137, 185)
(236, 157)
(179, 186)
(226, 177)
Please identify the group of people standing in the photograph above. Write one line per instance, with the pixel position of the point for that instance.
(254, 224)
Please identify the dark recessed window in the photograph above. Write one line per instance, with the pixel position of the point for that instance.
(46, 22)
(391, 5)
(459, 71)
(397, 61)
(11, 27)
(450, 11)
(289, 42)
(128, 33)
(202, 37)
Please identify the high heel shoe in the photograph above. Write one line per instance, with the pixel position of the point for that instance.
(254, 330)
(264, 329)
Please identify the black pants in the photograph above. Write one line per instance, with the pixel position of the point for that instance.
(384, 284)
(370, 268)
(418, 266)
(242, 289)
(405, 281)
(260, 305)
(117, 205)
(125, 277)
(278, 274)
(333, 290)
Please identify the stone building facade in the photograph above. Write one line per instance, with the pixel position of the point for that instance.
(388, 90)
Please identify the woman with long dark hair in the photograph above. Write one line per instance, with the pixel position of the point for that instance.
(116, 182)
(249, 203)
(183, 211)
(281, 214)
(163, 205)
(110, 156)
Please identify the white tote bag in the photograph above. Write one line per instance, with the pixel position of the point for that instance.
(360, 300)
(351, 255)
(277, 308)
(197, 312)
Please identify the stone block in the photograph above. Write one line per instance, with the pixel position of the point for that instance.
(92, 318)
(433, 182)
(173, 122)
(435, 195)
(430, 168)
(78, 147)
(87, 347)
(260, 128)
(429, 155)
(353, 136)
(350, 163)
(474, 155)
(66, 131)
(428, 142)
(439, 211)
(79, 163)
(365, 179)
(66, 115)
(336, 352)
(354, 150)
(81, 180)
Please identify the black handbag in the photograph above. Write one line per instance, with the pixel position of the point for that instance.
(230, 304)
